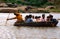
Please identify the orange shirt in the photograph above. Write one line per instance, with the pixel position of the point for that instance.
(19, 17)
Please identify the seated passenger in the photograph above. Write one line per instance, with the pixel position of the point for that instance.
(29, 19)
(43, 18)
(33, 18)
(48, 19)
(26, 17)
(53, 20)
(37, 19)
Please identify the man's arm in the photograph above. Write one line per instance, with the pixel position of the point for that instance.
(11, 18)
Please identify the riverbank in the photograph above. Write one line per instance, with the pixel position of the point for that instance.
(31, 10)
(55, 10)
(47, 9)
(7, 10)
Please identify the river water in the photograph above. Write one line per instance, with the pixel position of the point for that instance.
(8, 31)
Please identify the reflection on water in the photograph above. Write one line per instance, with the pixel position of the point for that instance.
(12, 32)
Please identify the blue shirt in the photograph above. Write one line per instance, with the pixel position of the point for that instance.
(29, 20)
(54, 21)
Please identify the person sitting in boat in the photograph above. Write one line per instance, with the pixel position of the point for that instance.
(43, 18)
(53, 20)
(18, 17)
(33, 18)
(26, 17)
(48, 19)
(29, 19)
(37, 19)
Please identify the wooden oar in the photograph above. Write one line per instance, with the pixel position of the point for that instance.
(6, 19)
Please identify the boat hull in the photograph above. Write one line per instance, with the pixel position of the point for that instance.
(37, 24)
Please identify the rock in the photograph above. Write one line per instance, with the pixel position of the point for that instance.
(50, 7)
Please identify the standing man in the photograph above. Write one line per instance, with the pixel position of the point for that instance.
(18, 16)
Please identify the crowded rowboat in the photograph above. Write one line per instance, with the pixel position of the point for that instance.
(37, 21)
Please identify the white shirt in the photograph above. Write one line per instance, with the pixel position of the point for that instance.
(42, 20)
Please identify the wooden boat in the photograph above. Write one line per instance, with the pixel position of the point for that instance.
(37, 24)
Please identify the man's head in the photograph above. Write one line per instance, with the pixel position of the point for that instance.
(48, 16)
(30, 16)
(16, 14)
(43, 15)
(51, 16)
